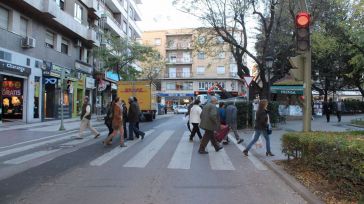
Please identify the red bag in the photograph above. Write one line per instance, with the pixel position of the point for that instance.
(221, 134)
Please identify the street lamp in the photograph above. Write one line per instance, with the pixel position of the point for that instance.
(269, 64)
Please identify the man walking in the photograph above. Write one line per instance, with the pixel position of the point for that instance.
(125, 117)
(133, 116)
(339, 109)
(210, 122)
(231, 121)
(85, 119)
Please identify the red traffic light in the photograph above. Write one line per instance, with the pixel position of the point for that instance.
(303, 20)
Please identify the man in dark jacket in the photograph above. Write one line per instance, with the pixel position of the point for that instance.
(210, 122)
(133, 117)
(231, 121)
(125, 117)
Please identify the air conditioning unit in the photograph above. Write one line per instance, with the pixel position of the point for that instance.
(28, 42)
(78, 43)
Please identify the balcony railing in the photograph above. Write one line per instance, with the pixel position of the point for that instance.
(179, 46)
(178, 75)
(179, 61)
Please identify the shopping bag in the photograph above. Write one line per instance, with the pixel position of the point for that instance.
(221, 134)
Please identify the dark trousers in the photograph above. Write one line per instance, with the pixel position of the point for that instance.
(195, 130)
(208, 136)
(109, 126)
(188, 126)
(134, 129)
(328, 117)
(338, 113)
(124, 126)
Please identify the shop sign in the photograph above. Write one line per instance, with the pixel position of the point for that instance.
(12, 88)
(50, 80)
(5, 66)
(90, 83)
(110, 75)
(82, 67)
(56, 71)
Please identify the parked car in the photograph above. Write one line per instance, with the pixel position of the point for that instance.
(180, 109)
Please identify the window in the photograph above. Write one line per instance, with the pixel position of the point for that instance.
(172, 57)
(233, 68)
(200, 70)
(220, 70)
(172, 72)
(23, 27)
(5, 55)
(186, 72)
(201, 85)
(4, 18)
(221, 55)
(157, 41)
(80, 57)
(129, 32)
(37, 64)
(201, 55)
(28, 62)
(186, 57)
(219, 40)
(78, 13)
(64, 46)
(171, 86)
(88, 56)
(49, 41)
(187, 86)
(60, 3)
(201, 39)
(126, 5)
(124, 26)
(131, 13)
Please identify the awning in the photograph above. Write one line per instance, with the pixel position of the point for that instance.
(292, 90)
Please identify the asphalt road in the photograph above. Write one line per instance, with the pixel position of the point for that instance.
(163, 168)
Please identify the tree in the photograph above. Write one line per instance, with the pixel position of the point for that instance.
(120, 55)
(152, 66)
(228, 19)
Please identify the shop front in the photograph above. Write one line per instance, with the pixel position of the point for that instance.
(110, 92)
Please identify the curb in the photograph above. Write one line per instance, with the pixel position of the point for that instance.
(291, 181)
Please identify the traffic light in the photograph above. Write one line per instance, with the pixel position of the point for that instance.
(302, 22)
(297, 67)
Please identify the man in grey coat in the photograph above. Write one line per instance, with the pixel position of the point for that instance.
(210, 122)
(231, 121)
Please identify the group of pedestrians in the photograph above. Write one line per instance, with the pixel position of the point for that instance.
(212, 119)
(116, 118)
(329, 107)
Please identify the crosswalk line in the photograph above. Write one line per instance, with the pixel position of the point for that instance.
(182, 156)
(29, 157)
(116, 151)
(76, 142)
(141, 159)
(258, 164)
(219, 160)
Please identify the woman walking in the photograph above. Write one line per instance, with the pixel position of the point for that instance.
(117, 123)
(108, 118)
(195, 119)
(261, 127)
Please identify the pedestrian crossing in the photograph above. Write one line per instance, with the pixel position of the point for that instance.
(181, 158)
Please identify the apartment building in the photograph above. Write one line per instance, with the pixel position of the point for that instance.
(190, 71)
(41, 40)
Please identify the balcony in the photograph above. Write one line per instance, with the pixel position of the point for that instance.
(179, 46)
(136, 28)
(92, 36)
(114, 5)
(178, 75)
(137, 12)
(111, 23)
(179, 61)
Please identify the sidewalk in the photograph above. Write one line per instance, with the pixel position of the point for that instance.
(52, 126)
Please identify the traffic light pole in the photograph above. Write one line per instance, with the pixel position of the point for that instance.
(307, 114)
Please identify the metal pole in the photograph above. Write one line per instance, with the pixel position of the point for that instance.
(62, 79)
(307, 92)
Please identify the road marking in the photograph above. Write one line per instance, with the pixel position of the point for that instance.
(76, 142)
(43, 138)
(182, 156)
(143, 157)
(116, 151)
(29, 157)
(258, 164)
(219, 160)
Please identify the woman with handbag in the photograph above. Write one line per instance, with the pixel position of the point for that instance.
(117, 123)
(262, 126)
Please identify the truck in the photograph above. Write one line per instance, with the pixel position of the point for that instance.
(146, 94)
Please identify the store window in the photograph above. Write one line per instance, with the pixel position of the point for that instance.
(188, 86)
(23, 26)
(12, 98)
(4, 18)
(64, 46)
(49, 41)
(36, 96)
(78, 13)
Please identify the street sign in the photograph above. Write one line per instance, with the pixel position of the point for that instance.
(248, 80)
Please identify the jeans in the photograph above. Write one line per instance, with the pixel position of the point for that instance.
(133, 128)
(256, 137)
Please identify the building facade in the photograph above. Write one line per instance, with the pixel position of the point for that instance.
(47, 50)
(189, 71)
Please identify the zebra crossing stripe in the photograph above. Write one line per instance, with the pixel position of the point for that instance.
(258, 164)
(141, 159)
(29, 157)
(116, 151)
(182, 156)
(219, 160)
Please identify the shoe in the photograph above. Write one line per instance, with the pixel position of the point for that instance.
(240, 141)
(269, 154)
(137, 136)
(96, 136)
(191, 139)
(130, 139)
(78, 138)
(106, 144)
(225, 142)
(202, 152)
(123, 145)
(219, 148)
(142, 135)
(245, 152)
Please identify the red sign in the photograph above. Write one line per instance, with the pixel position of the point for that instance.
(128, 90)
(12, 88)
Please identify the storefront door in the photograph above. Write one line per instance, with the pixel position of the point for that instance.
(49, 98)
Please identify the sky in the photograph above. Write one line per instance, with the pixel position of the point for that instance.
(161, 14)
